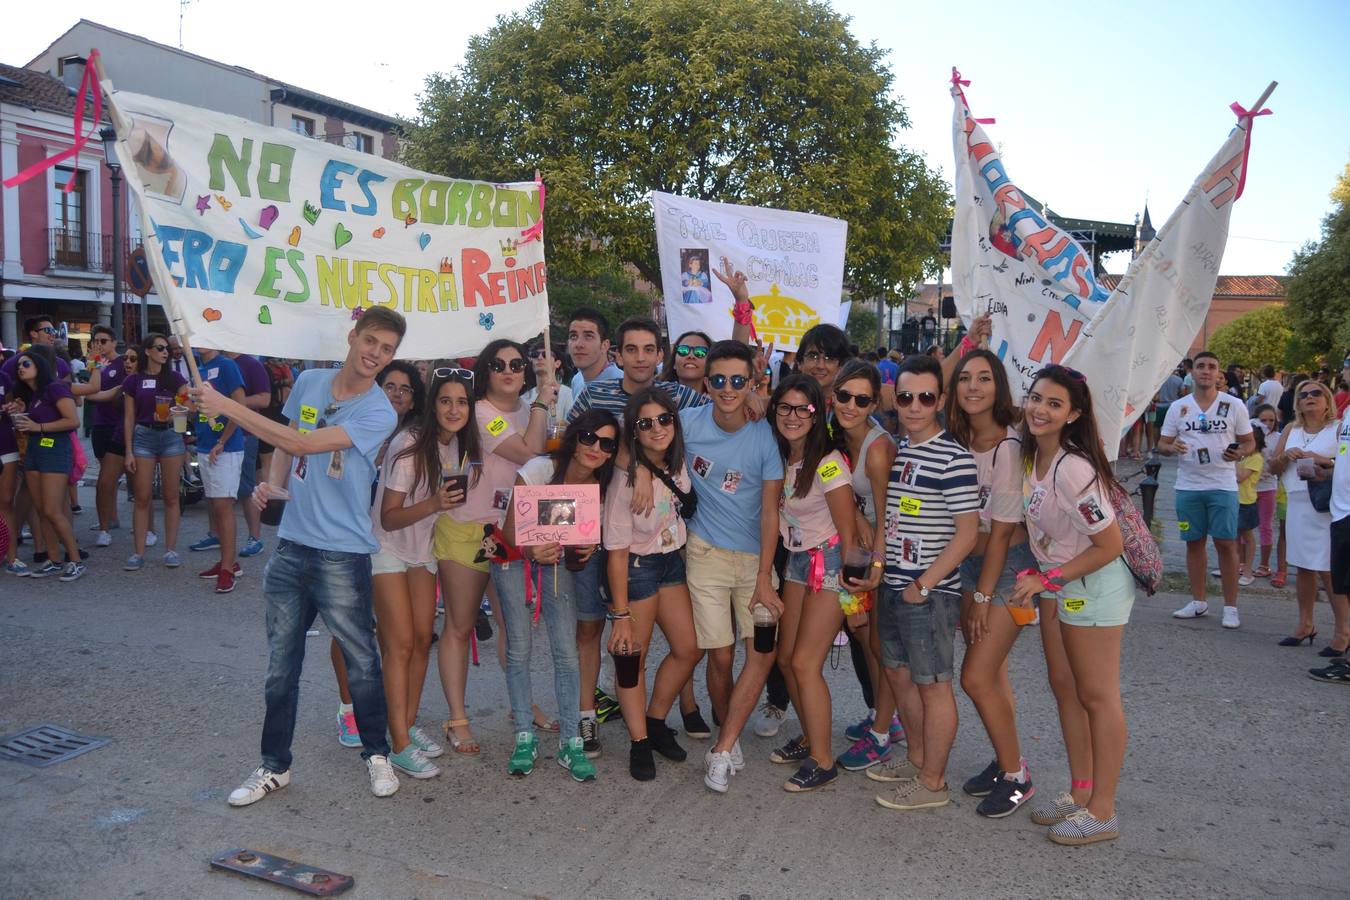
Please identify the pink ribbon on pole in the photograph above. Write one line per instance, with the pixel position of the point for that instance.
(536, 231)
(88, 83)
(1250, 117)
(958, 82)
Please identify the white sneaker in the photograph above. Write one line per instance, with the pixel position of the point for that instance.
(103, 540)
(383, 781)
(1193, 610)
(769, 721)
(1216, 573)
(717, 771)
(1244, 579)
(259, 785)
(737, 757)
(1230, 617)
(151, 539)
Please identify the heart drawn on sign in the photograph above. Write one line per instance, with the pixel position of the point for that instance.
(523, 508)
(586, 527)
(423, 239)
(341, 235)
(211, 315)
(264, 315)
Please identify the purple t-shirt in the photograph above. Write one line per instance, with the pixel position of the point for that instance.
(144, 390)
(108, 413)
(11, 368)
(44, 409)
(254, 375)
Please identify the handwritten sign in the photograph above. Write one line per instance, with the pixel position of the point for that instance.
(567, 514)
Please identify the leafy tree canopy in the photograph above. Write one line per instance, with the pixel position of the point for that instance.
(1260, 337)
(1319, 289)
(772, 103)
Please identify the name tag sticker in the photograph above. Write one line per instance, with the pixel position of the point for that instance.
(496, 426)
(309, 414)
(47, 442)
(212, 374)
(1342, 449)
(910, 506)
(828, 472)
(1074, 604)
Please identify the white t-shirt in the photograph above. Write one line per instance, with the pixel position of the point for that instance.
(1340, 476)
(1270, 391)
(1000, 474)
(1207, 434)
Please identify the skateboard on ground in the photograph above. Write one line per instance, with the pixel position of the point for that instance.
(285, 872)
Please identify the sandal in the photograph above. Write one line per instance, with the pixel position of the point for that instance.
(541, 721)
(1279, 578)
(1261, 572)
(469, 746)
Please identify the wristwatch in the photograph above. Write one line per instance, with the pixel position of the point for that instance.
(923, 591)
(981, 598)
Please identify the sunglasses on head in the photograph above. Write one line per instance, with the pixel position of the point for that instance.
(906, 398)
(453, 372)
(1056, 368)
(685, 350)
(813, 356)
(650, 422)
(842, 398)
(499, 365)
(720, 381)
(590, 439)
(804, 411)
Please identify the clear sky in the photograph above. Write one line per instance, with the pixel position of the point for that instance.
(1098, 106)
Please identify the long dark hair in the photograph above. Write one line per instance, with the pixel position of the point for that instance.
(817, 439)
(481, 365)
(1004, 412)
(590, 420)
(852, 371)
(44, 370)
(425, 431)
(164, 377)
(674, 453)
(668, 373)
(418, 388)
(1078, 437)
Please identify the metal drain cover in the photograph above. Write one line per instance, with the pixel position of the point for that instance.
(45, 745)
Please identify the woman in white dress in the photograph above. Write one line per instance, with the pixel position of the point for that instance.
(1307, 445)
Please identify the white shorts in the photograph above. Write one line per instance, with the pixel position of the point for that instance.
(8, 458)
(221, 478)
(382, 563)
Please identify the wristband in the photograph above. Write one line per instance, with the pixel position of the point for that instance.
(537, 405)
(614, 616)
(966, 345)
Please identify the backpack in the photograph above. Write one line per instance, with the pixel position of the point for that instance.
(1140, 550)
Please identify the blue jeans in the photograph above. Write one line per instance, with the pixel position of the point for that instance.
(248, 474)
(300, 583)
(560, 616)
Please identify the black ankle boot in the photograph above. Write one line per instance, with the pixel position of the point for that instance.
(640, 763)
(662, 740)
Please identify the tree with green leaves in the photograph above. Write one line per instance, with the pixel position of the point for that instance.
(773, 103)
(1318, 295)
(1260, 337)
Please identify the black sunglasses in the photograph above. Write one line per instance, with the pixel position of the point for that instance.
(720, 381)
(160, 348)
(650, 422)
(907, 398)
(499, 365)
(537, 354)
(843, 397)
(590, 439)
(685, 350)
(1304, 395)
(453, 372)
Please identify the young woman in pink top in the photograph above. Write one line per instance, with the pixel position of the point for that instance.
(1086, 593)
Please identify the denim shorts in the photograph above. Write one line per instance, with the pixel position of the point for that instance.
(648, 574)
(799, 566)
(1019, 559)
(591, 588)
(919, 636)
(1202, 514)
(156, 443)
(59, 458)
(1249, 517)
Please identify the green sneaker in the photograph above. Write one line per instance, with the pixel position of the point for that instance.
(525, 754)
(572, 757)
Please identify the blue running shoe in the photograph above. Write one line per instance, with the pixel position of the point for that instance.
(864, 754)
(210, 542)
(855, 731)
(252, 547)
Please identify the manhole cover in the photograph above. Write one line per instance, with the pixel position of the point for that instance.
(44, 745)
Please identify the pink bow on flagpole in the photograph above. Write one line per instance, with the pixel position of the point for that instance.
(536, 231)
(957, 83)
(88, 83)
(1245, 116)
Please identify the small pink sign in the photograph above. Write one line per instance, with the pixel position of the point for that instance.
(567, 514)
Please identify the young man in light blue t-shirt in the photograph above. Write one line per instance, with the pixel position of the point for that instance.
(325, 458)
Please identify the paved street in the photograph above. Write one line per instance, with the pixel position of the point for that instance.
(1231, 785)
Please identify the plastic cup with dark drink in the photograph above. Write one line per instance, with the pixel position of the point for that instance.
(455, 481)
(766, 629)
(627, 663)
(276, 505)
(573, 561)
(856, 561)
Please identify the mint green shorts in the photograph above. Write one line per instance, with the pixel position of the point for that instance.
(1102, 598)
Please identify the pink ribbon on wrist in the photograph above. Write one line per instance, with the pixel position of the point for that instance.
(743, 313)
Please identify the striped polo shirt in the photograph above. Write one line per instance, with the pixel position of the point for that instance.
(608, 394)
(931, 483)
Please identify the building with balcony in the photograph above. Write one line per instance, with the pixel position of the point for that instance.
(56, 247)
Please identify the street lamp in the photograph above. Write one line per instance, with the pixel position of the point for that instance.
(109, 136)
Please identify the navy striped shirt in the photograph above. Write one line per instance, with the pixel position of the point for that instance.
(931, 483)
(608, 394)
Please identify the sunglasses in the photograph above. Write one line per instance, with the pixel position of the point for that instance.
(720, 381)
(590, 439)
(103, 340)
(1304, 395)
(815, 356)
(842, 398)
(26, 364)
(650, 422)
(454, 372)
(906, 398)
(499, 365)
(685, 350)
(47, 329)
(398, 390)
(131, 359)
(327, 411)
(537, 354)
(160, 348)
(804, 411)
